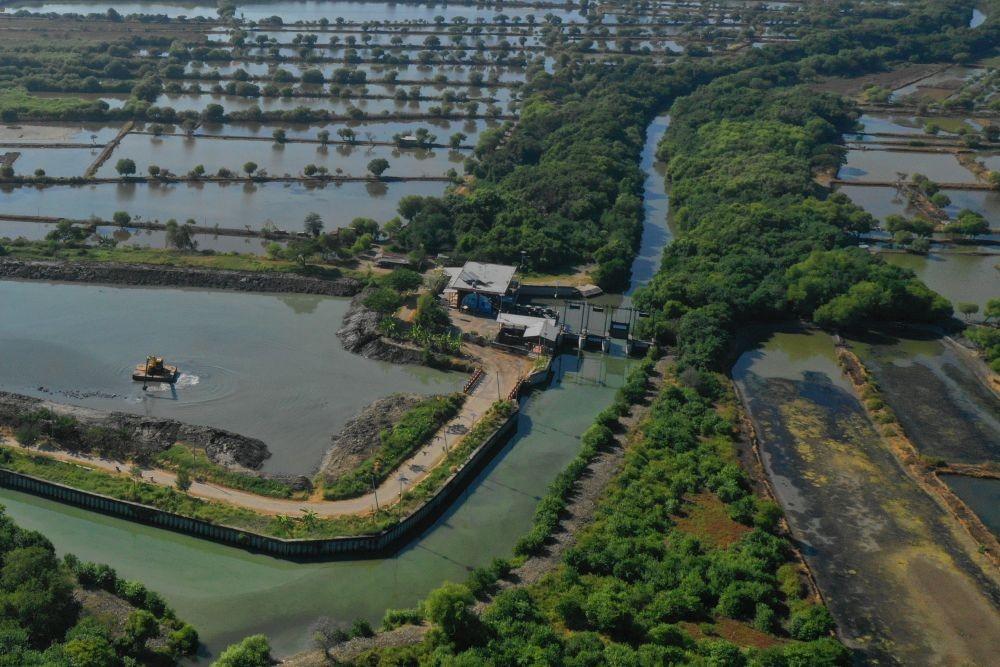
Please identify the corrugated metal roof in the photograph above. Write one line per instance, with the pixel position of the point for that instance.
(486, 278)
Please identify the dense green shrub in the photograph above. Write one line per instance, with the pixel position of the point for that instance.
(253, 651)
(41, 621)
(632, 575)
(194, 462)
(394, 618)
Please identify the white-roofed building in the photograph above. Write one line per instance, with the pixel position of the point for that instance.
(479, 287)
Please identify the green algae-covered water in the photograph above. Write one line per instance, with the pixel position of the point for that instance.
(228, 593)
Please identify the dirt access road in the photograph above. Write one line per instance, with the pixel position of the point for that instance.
(503, 371)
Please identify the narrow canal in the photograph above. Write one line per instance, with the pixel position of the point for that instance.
(228, 593)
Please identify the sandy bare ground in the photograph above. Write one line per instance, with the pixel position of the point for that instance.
(503, 371)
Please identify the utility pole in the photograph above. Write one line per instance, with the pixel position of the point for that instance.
(498, 387)
(375, 468)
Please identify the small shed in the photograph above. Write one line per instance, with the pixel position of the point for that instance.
(526, 331)
(389, 260)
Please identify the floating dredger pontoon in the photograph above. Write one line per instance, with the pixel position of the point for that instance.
(154, 370)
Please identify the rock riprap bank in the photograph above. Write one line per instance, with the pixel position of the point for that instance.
(144, 436)
(360, 335)
(362, 435)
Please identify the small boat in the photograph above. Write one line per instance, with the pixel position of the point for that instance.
(154, 370)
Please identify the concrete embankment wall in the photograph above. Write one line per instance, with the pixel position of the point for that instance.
(362, 546)
(550, 291)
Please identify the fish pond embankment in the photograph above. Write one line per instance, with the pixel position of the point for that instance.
(902, 578)
(144, 436)
(153, 275)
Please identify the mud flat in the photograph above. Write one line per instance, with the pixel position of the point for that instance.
(944, 408)
(902, 578)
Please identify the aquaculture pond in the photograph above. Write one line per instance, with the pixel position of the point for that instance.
(939, 85)
(982, 495)
(376, 130)
(171, 9)
(181, 154)
(234, 103)
(62, 162)
(904, 124)
(75, 133)
(876, 165)
(290, 11)
(881, 202)
(261, 365)
(944, 408)
(983, 202)
(960, 277)
(240, 205)
(455, 74)
(228, 593)
(900, 577)
(140, 238)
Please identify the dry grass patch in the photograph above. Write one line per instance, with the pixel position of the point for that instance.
(737, 632)
(707, 518)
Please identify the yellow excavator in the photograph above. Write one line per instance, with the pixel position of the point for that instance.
(154, 370)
